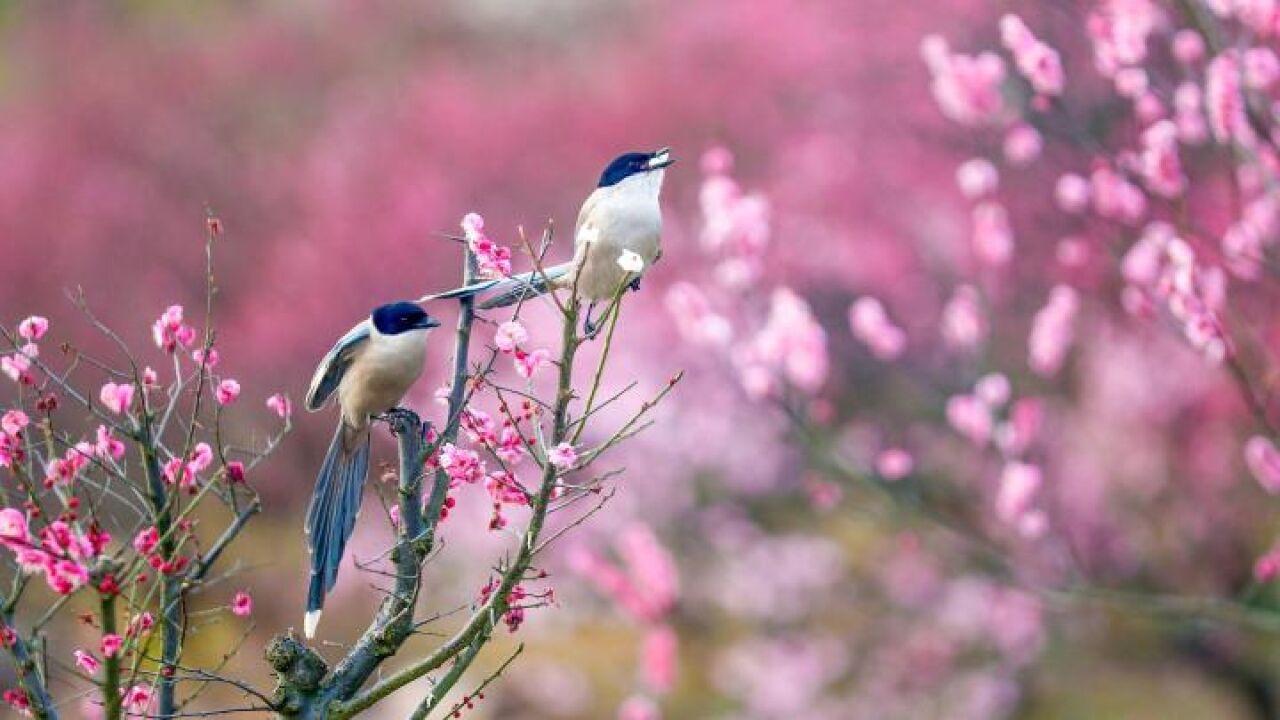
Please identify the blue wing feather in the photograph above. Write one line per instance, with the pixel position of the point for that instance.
(334, 365)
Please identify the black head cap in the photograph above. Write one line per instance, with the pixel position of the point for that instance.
(634, 163)
(398, 317)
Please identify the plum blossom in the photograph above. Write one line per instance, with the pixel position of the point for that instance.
(107, 447)
(116, 397)
(492, 259)
(280, 405)
(964, 323)
(563, 456)
(791, 344)
(971, 417)
(1224, 100)
(1263, 459)
(33, 328)
(1051, 331)
(870, 324)
(966, 87)
(1022, 144)
(1037, 62)
(17, 367)
(977, 177)
(894, 463)
(1119, 30)
(227, 392)
(242, 604)
(111, 644)
(1161, 168)
(509, 335)
(87, 662)
(461, 465)
(146, 540)
(735, 224)
(170, 332)
(13, 421)
(1071, 192)
(992, 236)
(529, 363)
(137, 698)
(1019, 483)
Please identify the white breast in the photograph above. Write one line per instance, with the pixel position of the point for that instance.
(381, 373)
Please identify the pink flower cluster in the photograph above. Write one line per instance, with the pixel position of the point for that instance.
(791, 346)
(170, 332)
(1051, 331)
(736, 224)
(967, 88)
(17, 367)
(185, 472)
(871, 324)
(1037, 62)
(60, 552)
(493, 260)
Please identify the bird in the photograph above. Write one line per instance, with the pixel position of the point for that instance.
(622, 214)
(370, 369)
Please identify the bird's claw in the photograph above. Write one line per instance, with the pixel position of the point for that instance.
(400, 419)
(634, 284)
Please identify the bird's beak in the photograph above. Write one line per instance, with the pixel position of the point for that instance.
(429, 322)
(661, 159)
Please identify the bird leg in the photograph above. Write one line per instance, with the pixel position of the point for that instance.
(589, 328)
(634, 284)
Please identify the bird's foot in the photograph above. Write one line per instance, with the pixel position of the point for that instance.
(401, 420)
(634, 284)
(589, 327)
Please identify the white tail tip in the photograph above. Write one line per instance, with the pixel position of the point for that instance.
(309, 623)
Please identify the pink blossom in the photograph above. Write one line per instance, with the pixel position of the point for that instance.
(1224, 100)
(137, 698)
(871, 325)
(208, 360)
(87, 662)
(201, 458)
(64, 576)
(492, 259)
(1189, 114)
(528, 363)
(993, 389)
(1267, 567)
(1022, 144)
(1051, 331)
(894, 463)
(33, 328)
(696, 321)
(1018, 485)
(511, 446)
(146, 540)
(1161, 168)
(1188, 47)
(563, 456)
(966, 87)
(227, 392)
(1261, 68)
(964, 324)
(1119, 30)
(1071, 193)
(280, 405)
(508, 335)
(242, 605)
(116, 397)
(13, 421)
(792, 342)
(1263, 459)
(1072, 252)
(17, 367)
(1115, 197)
(1037, 62)
(18, 700)
(461, 465)
(970, 417)
(169, 332)
(504, 490)
(992, 237)
(659, 656)
(107, 445)
(111, 644)
(1131, 82)
(13, 526)
(977, 177)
